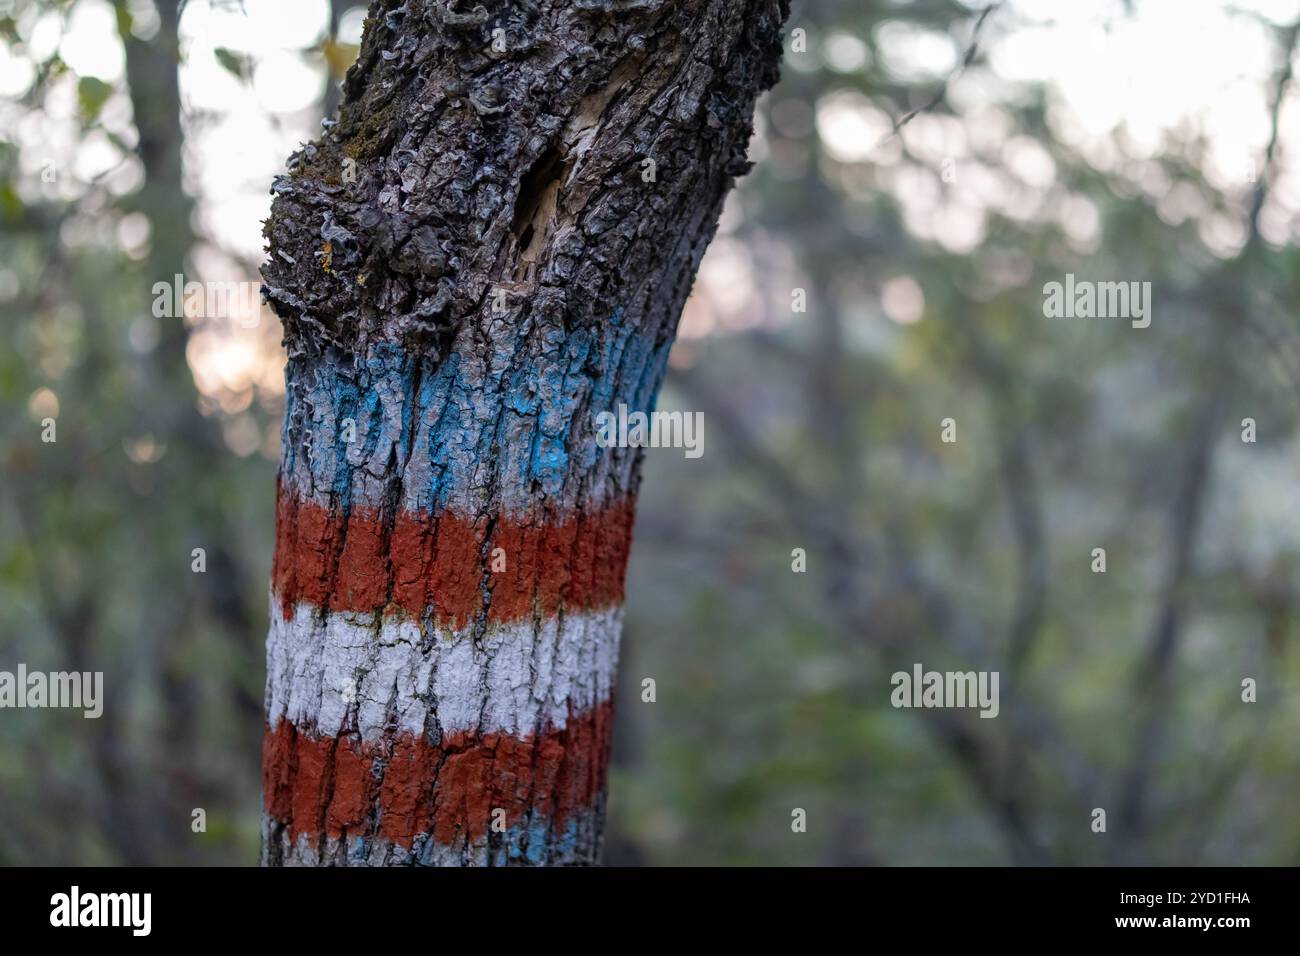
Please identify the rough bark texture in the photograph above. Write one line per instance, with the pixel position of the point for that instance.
(491, 246)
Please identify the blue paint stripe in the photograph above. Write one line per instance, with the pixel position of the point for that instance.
(537, 841)
(448, 430)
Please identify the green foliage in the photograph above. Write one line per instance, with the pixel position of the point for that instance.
(92, 93)
(237, 65)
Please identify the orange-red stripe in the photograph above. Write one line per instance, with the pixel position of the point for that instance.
(367, 561)
(326, 785)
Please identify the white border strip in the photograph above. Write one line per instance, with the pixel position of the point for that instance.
(344, 673)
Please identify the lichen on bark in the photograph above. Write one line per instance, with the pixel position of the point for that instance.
(443, 131)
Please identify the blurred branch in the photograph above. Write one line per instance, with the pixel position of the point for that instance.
(972, 50)
(974, 755)
(1025, 509)
(1151, 683)
(1152, 680)
(69, 621)
(1289, 38)
(1020, 488)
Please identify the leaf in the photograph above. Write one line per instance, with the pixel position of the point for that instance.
(92, 93)
(11, 207)
(339, 56)
(125, 21)
(237, 64)
(120, 143)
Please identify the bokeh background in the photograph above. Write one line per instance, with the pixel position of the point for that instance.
(921, 172)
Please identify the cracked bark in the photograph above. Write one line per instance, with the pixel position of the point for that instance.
(491, 245)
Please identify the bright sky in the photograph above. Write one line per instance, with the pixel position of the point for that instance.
(1171, 67)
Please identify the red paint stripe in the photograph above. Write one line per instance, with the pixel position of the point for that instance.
(318, 785)
(445, 561)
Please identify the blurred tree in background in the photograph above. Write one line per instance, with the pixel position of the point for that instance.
(919, 183)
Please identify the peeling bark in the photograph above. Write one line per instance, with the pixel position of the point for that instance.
(470, 264)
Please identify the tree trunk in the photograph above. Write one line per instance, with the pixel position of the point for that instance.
(492, 246)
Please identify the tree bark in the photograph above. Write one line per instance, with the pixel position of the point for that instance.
(491, 246)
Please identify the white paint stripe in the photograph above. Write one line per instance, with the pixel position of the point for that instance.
(344, 672)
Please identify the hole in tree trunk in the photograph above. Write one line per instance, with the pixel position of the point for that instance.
(537, 192)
